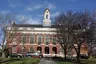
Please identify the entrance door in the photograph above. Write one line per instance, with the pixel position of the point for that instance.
(39, 49)
(54, 49)
(46, 50)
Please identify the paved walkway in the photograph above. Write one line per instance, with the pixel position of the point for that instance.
(46, 61)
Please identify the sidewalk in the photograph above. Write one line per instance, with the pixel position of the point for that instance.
(46, 61)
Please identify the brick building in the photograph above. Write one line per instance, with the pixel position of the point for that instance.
(33, 38)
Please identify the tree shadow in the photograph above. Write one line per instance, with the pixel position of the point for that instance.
(73, 61)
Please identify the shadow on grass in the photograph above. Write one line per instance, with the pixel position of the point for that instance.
(20, 61)
(4, 60)
(67, 61)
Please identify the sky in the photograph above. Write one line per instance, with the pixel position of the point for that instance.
(33, 10)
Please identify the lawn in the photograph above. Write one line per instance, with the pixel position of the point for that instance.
(64, 62)
(22, 61)
(89, 61)
(83, 61)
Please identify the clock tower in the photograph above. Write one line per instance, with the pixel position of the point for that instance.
(47, 21)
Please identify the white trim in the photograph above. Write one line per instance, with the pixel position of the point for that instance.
(22, 44)
(13, 44)
(46, 45)
(50, 44)
(42, 44)
(37, 32)
(54, 45)
(21, 28)
(33, 29)
(45, 29)
(28, 28)
(39, 45)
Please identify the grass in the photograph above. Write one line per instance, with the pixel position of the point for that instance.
(64, 62)
(15, 62)
(23, 61)
(74, 61)
(4, 59)
(88, 61)
(31, 61)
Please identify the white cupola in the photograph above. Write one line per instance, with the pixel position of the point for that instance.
(47, 21)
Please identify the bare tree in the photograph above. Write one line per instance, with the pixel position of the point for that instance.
(72, 29)
(85, 33)
(63, 21)
(7, 21)
(91, 39)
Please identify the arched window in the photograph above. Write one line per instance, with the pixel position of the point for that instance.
(46, 16)
(23, 38)
(31, 39)
(39, 39)
(54, 39)
(47, 39)
(14, 49)
(31, 49)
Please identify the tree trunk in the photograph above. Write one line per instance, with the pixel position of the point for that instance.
(3, 54)
(78, 57)
(89, 53)
(65, 52)
(65, 57)
(78, 54)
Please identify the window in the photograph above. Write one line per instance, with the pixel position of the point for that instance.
(31, 39)
(23, 49)
(46, 16)
(54, 40)
(47, 39)
(31, 49)
(14, 41)
(23, 39)
(39, 39)
(13, 49)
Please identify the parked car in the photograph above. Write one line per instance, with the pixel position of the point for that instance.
(36, 55)
(13, 55)
(29, 54)
(84, 56)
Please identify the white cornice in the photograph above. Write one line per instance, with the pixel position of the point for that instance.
(37, 32)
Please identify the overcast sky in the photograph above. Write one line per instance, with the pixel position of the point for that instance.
(33, 10)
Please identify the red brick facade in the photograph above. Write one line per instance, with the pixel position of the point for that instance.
(41, 47)
(18, 46)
